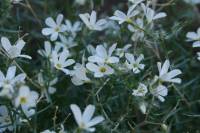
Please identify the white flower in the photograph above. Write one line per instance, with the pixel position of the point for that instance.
(134, 64)
(72, 28)
(66, 42)
(198, 54)
(160, 92)
(141, 90)
(85, 120)
(165, 76)
(47, 52)
(195, 37)
(122, 17)
(51, 89)
(136, 1)
(8, 82)
(99, 70)
(79, 76)
(60, 61)
(80, 2)
(192, 1)
(27, 100)
(143, 107)
(48, 131)
(55, 28)
(5, 120)
(121, 51)
(91, 21)
(151, 14)
(102, 56)
(14, 51)
(137, 33)
(16, 1)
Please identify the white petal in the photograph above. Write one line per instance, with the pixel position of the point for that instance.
(11, 72)
(112, 49)
(88, 113)
(162, 90)
(5, 43)
(165, 67)
(101, 51)
(84, 18)
(159, 15)
(95, 121)
(59, 19)
(93, 18)
(77, 113)
(192, 35)
(196, 44)
(47, 31)
(113, 59)
(101, 22)
(92, 67)
(20, 44)
(50, 22)
(54, 36)
(2, 77)
(130, 57)
(69, 62)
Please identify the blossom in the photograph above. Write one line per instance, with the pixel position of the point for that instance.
(16, 1)
(5, 120)
(51, 89)
(27, 100)
(55, 27)
(60, 61)
(141, 90)
(143, 107)
(79, 76)
(91, 21)
(99, 70)
(8, 82)
(80, 2)
(151, 15)
(121, 51)
(165, 76)
(104, 56)
(47, 52)
(137, 33)
(195, 37)
(122, 17)
(198, 54)
(14, 51)
(133, 63)
(192, 1)
(66, 42)
(72, 28)
(136, 1)
(160, 92)
(85, 120)
(48, 131)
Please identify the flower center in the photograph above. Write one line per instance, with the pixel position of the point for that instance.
(128, 20)
(58, 66)
(102, 69)
(57, 29)
(23, 100)
(82, 125)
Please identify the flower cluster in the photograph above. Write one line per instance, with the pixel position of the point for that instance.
(71, 52)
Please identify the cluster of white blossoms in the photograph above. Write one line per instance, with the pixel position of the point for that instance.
(98, 62)
(13, 87)
(195, 38)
